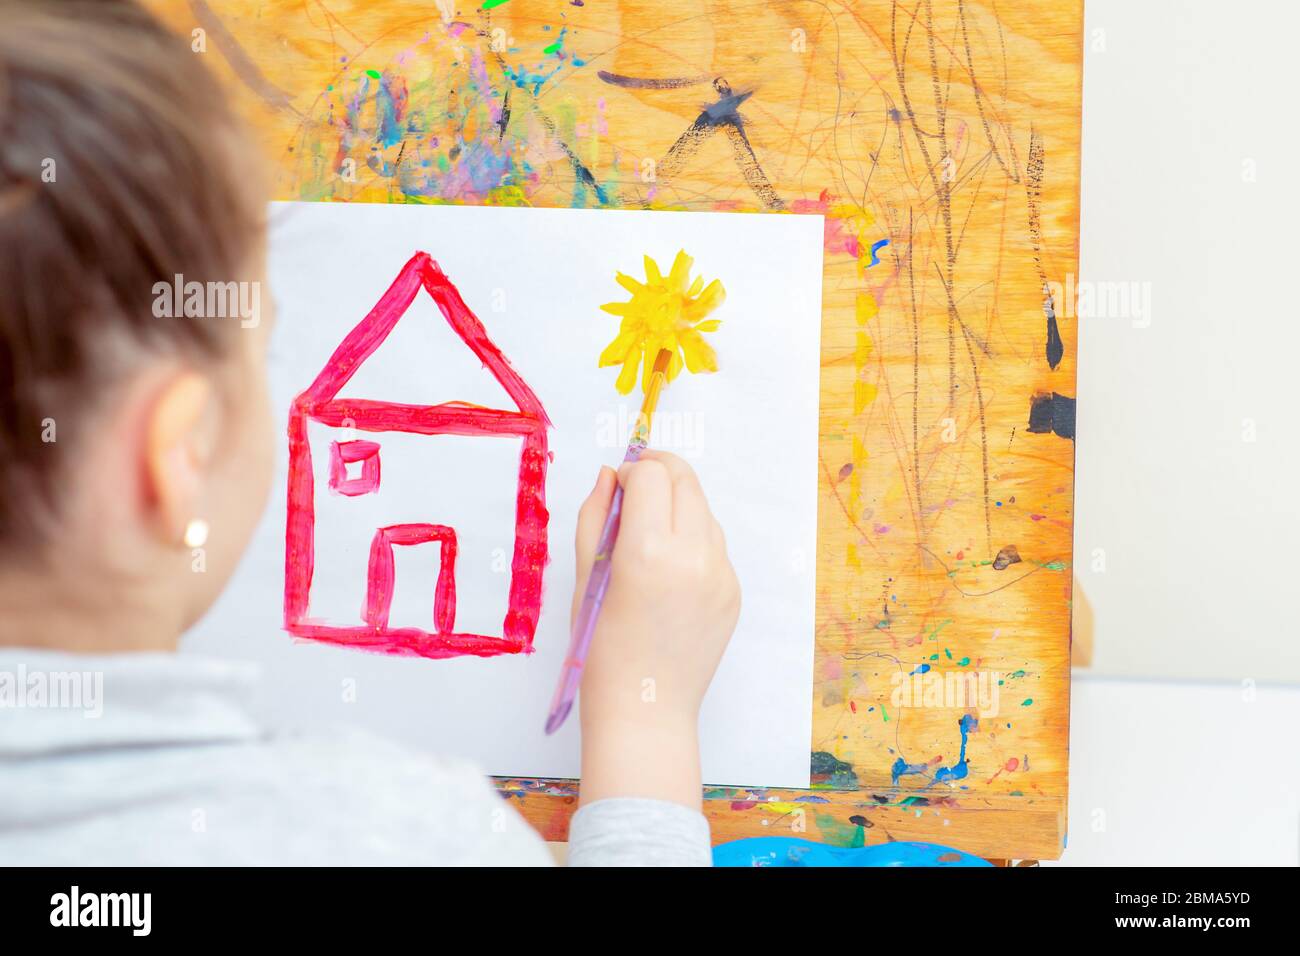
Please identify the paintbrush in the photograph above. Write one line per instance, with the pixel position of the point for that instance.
(584, 623)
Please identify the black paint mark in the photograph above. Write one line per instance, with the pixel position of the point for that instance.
(723, 114)
(1052, 413)
(649, 83)
(505, 116)
(579, 168)
(1006, 557)
(1055, 347)
(861, 821)
(726, 109)
(749, 168)
(1034, 192)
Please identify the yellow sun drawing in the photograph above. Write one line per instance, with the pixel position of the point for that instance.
(663, 313)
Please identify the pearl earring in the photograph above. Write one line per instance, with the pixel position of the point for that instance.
(196, 533)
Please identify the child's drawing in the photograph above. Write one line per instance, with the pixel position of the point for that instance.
(355, 471)
(434, 487)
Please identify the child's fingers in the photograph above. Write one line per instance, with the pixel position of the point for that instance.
(647, 501)
(591, 519)
(691, 514)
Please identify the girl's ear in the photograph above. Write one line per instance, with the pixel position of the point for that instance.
(180, 440)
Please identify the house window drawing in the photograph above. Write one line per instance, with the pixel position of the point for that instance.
(363, 453)
(354, 470)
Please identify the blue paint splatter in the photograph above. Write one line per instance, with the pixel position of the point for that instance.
(958, 770)
(390, 125)
(532, 82)
(902, 768)
(922, 669)
(875, 248)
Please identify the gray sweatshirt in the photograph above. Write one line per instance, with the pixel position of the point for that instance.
(139, 759)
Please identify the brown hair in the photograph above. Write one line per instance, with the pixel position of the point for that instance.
(113, 177)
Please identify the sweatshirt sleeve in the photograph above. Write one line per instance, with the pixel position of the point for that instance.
(630, 831)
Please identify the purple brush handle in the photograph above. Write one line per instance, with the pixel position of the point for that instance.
(584, 625)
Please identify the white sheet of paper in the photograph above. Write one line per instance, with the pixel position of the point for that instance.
(535, 279)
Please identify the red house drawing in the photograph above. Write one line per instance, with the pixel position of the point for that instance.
(320, 403)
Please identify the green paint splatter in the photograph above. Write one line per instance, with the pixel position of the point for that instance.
(489, 4)
(554, 47)
(1026, 702)
(373, 74)
(948, 653)
(934, 635)
(836, 833)
(884, 713)
(963, 662)
(1017, 673)
(1054, 566)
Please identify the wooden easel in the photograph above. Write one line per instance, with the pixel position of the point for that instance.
(941, 141)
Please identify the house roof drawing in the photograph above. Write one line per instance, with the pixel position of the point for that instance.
(420, 272)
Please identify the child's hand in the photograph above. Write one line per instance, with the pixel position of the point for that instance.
(672, 604)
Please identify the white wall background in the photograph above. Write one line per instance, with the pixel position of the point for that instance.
(1183, 773)
(1191, 152)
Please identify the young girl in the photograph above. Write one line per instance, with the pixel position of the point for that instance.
(125, 438)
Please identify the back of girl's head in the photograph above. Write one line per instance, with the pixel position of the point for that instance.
(119, 168)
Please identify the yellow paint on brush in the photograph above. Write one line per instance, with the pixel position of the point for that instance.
(665, 312)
